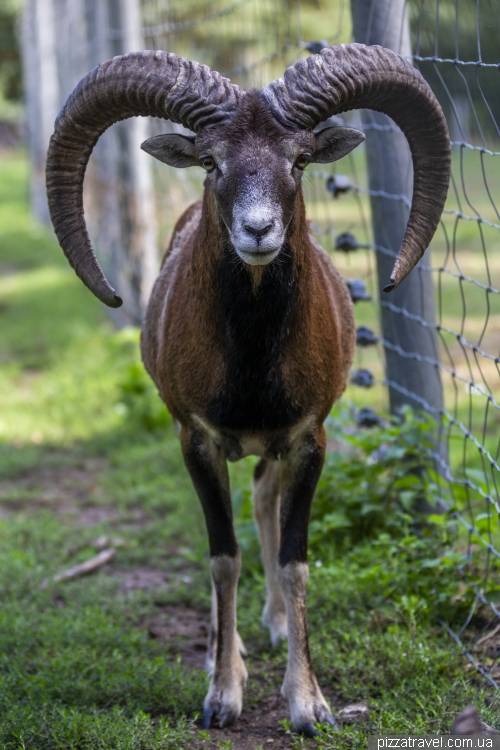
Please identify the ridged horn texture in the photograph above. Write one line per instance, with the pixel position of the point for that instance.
(140, 83)
(355, 76)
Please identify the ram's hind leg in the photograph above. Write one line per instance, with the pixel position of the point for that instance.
(208, 469)
(266, 500)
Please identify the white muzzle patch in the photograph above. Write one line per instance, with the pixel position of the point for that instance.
(257, 233)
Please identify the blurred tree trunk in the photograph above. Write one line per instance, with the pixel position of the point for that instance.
(58, 50)
(38, 39)
(122, 197)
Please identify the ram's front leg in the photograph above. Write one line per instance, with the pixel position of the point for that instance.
(213, 635)
(208, 469)
(300, 472)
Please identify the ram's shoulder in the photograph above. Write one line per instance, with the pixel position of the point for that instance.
(183, 230)
(331, 273)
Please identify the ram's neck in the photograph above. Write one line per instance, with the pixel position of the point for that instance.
(254, 308)
(257, 319)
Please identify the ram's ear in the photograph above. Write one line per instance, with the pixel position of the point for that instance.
(334, 143)
(173, 149)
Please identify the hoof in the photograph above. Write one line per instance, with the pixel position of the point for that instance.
(227, 719)
(209, 718)
(307, 730)
(206, 718)
(224, 700)
(308, 708)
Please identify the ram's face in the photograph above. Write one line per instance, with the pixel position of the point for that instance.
(254, 170)
(255, 184)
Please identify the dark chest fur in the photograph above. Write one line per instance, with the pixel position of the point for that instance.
(253, 325)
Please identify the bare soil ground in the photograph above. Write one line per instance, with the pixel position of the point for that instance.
(73, 492)
(63, 489)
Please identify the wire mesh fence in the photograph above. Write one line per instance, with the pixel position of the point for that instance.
(454, 43)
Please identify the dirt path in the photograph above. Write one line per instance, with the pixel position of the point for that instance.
(185, 630)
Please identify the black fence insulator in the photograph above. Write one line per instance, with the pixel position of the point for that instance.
(363, 378)
(315, 47)
(368, 418)
(338, 184)
(357, 290)
(346, 242)
(365, 336)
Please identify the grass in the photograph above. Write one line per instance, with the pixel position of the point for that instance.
(87, 450)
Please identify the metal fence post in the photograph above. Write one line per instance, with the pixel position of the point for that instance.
(385, 22)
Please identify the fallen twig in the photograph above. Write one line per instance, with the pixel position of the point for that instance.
(83, 569)
(353, 713)
(488, 635)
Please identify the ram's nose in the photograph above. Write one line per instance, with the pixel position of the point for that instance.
(258, 231)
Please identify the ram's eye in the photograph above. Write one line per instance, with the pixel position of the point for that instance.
(208, 164)
(302, 161)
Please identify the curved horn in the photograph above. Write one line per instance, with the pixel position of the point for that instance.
(354, 76)
(140, 83)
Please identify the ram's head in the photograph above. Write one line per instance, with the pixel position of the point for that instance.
(254, 145)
